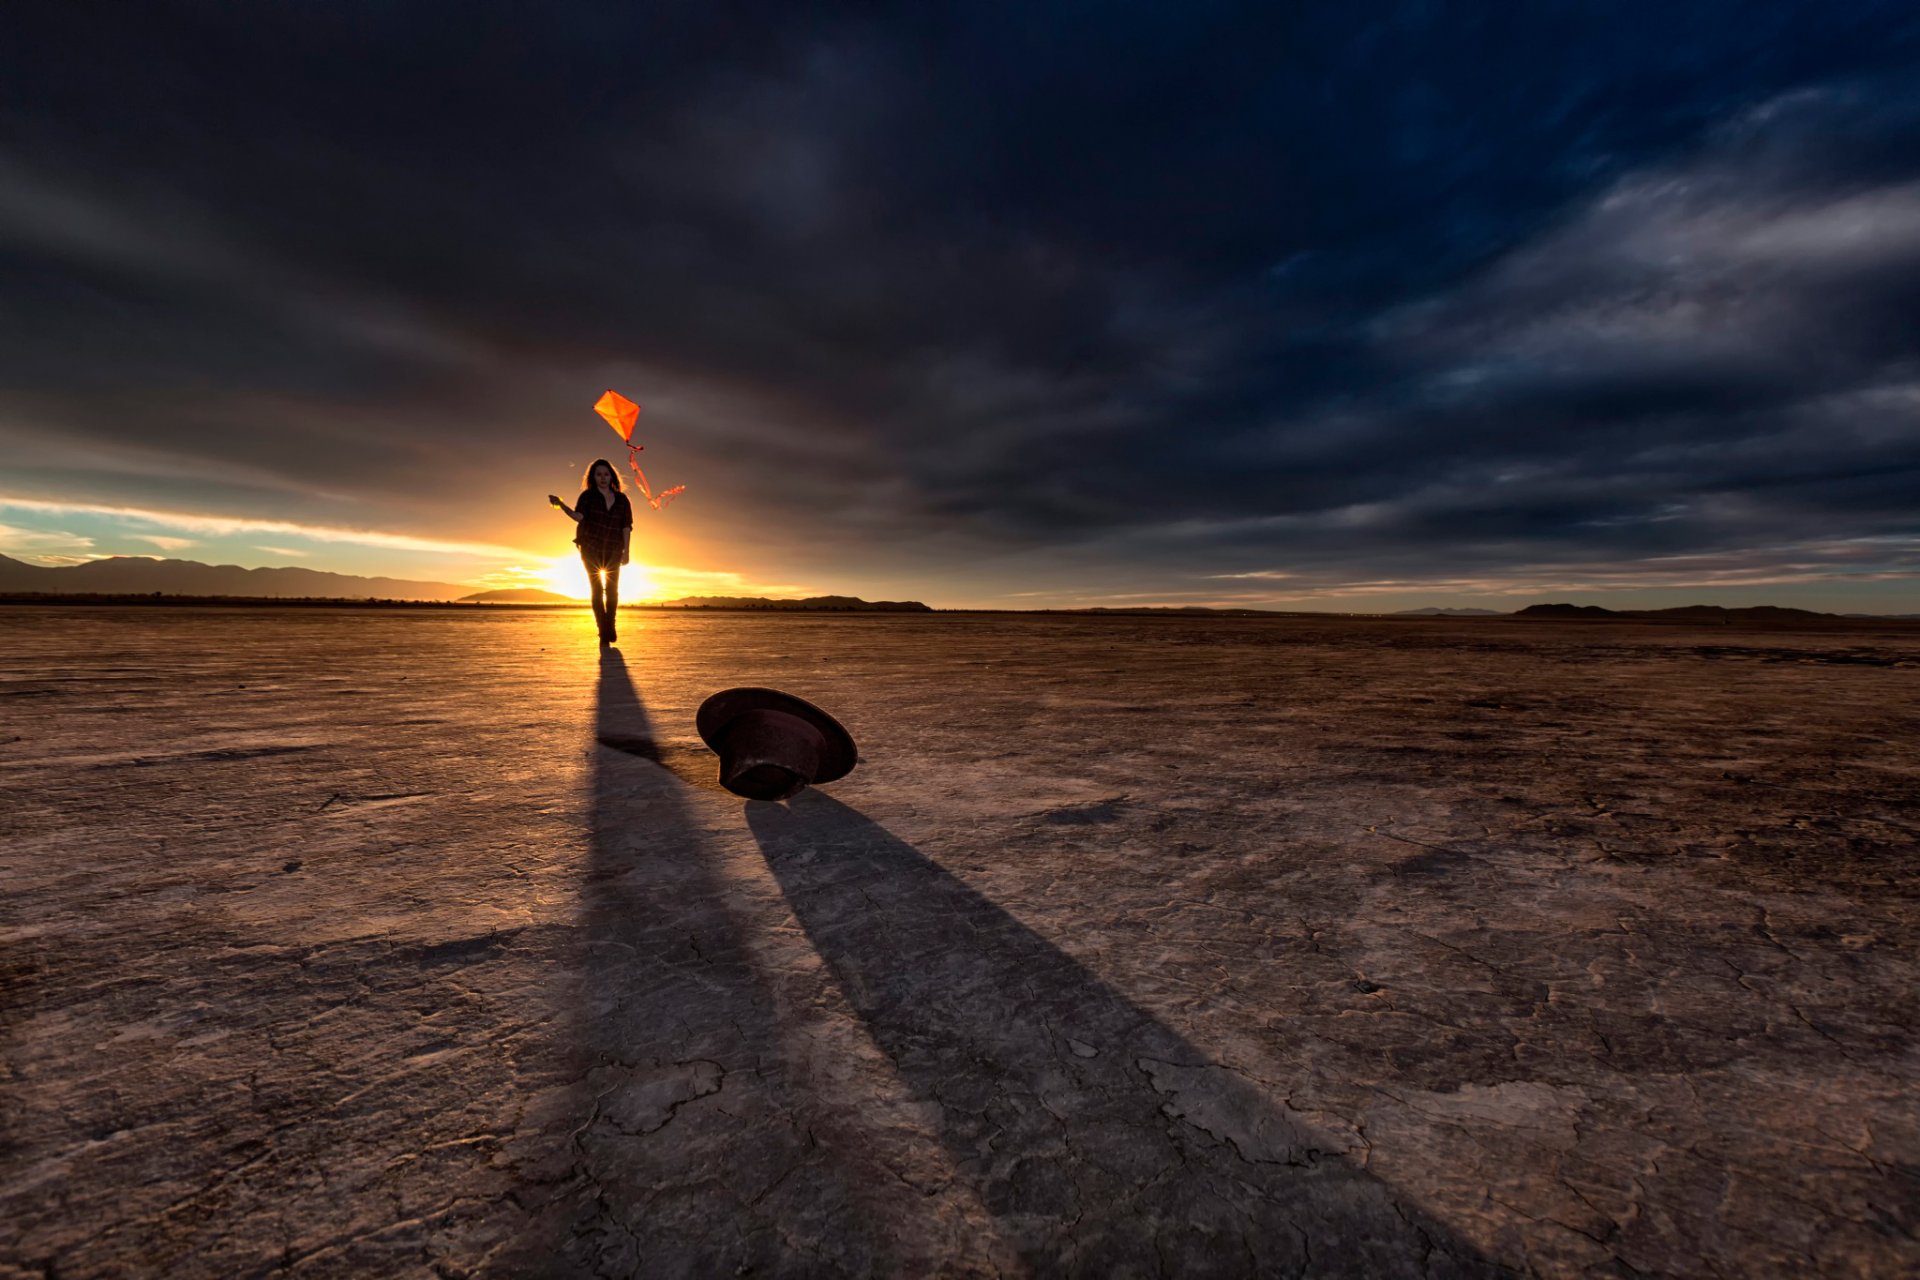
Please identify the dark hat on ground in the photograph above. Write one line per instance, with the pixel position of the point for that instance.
(773, 745)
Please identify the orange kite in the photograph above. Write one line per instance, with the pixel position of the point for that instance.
(621, 413)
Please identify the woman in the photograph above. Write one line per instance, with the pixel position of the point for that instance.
(605, 518)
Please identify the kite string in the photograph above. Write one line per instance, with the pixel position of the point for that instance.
(646, 491)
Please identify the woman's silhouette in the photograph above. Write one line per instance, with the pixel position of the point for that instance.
(605, 520)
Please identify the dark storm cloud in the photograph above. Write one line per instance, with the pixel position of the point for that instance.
(1218, 289)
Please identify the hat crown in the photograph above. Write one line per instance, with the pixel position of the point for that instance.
(769, 755)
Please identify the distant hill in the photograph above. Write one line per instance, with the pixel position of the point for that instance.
(1431, 612)
(1709, 613)
(519, 595)
(850, 604)
(137, 575)
(1566, 611)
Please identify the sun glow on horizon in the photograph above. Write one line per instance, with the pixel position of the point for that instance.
(568, 577)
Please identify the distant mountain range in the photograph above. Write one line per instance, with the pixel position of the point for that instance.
(519, 595)
(139, 576)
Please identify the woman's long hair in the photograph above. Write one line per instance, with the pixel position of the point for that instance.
(586, 481)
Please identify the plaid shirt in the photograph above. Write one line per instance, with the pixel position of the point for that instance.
(601, 534)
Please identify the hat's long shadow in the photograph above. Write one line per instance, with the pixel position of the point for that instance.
(1102, 1141)
(675, 1145)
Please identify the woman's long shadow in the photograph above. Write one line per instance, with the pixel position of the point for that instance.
(1101, 1140)
(675, 1144)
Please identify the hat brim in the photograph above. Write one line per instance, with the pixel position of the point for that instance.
(837, 756)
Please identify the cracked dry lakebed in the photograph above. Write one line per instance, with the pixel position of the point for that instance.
(424, 943)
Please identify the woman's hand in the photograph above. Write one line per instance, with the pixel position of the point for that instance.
(553, 501)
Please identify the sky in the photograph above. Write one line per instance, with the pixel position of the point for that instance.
(1354, 307)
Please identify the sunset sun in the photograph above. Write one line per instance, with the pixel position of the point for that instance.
(567, 576)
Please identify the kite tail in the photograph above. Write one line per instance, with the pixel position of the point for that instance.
(646, 491)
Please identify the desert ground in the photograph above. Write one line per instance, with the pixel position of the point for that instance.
(425, 943)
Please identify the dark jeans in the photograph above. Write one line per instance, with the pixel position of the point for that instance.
(607, 600)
